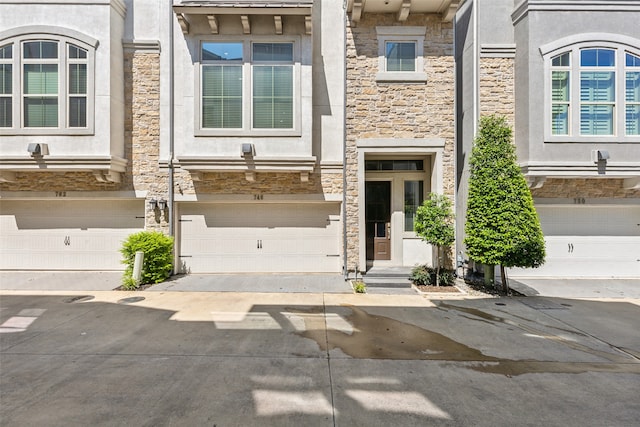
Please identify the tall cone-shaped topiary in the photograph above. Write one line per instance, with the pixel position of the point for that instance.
(502, 226)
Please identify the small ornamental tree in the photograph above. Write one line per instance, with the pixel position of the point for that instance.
(502, 226)
(434, 224)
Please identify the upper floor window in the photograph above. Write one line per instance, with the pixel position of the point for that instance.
(248, 86)
(595, 94)
(45, 86)
(632, 94)
(400, 54)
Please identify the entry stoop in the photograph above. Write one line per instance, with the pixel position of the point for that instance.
(388, 277)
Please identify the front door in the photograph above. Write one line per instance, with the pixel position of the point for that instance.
(378, 219)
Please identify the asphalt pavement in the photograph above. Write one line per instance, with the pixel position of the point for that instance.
(78, 358)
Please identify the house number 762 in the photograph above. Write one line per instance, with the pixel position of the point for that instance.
(61, 194)
(258, 196)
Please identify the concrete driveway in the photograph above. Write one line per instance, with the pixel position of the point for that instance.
(577, 288)
(291, 359)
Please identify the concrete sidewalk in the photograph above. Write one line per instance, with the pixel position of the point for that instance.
(110, 280)
(294, 283)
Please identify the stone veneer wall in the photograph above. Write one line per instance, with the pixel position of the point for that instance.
(142, 131)
(396, 110)
(588, 188)
(57, 181)
(265, 183)
(497, 85)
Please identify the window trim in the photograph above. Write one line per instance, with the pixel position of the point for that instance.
(401, 34)
(64, 37)
(574, 45)
(247, 88)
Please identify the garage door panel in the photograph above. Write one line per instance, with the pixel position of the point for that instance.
(230, 238)
(67, 235)
(588, 241)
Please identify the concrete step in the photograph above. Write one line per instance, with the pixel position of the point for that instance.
(387, 282)
(395, 272)
(388, 277)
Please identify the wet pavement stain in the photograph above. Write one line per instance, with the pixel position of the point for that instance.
(610, 356)
(381, 337)
(512, 368)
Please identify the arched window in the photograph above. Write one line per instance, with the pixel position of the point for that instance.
(594, 93)
(46, 85)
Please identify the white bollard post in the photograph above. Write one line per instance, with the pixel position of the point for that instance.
(137, 267)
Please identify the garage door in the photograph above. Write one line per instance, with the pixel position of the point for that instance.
(589, 241)
(66, 235)
(233, 238)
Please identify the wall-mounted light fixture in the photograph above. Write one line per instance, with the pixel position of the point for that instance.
(599, 156)
(248, 150)
(162, 205)
(153, 204)
(38, 149)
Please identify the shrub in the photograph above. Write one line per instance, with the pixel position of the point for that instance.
(359, 287)
(423, 275)
(158, 257)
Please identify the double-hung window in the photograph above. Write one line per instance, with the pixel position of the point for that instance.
(597, 91)
(272, 69)
(632, 94)
(594, 94)
(247, 87)
(222, 85)
(45, 86)
(6, 86)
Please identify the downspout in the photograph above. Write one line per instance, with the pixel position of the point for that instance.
(476, 70)
(345, 266)
(171, 195)
(455, 135)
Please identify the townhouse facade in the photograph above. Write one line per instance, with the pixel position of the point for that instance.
(300, 136)
(249, 130)
(566, 75)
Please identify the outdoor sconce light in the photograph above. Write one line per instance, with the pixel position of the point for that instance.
(153, 204)
(600, 156)
(36, 149)
(248, 150)
(162, 205)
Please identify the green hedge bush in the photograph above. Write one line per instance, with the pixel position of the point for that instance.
(423, 275)
(158, 257)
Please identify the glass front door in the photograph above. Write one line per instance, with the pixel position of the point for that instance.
(378, 219)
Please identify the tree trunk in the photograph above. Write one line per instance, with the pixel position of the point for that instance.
(505, 283)
(438, 265)
(488, 275)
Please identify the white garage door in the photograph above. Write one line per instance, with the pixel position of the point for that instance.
(66, 234)
(589, 241)
(259, 238)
